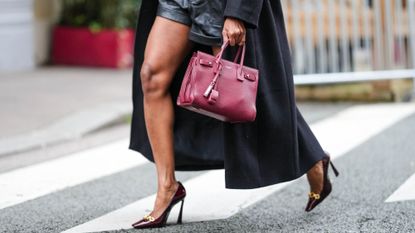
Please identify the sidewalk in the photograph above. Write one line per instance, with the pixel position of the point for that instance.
(54, 104)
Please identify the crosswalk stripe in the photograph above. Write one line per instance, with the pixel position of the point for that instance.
(37, 180)
(205, 192)
(405, 192)
(355, 125)
(208, 199)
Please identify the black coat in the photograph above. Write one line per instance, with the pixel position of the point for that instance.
(278, 146)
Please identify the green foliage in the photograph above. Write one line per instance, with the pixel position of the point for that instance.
(99, 14)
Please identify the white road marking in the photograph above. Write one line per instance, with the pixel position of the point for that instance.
(337, 134)
(351, 127)
(30, 182)
(405, 192)
(201, 204)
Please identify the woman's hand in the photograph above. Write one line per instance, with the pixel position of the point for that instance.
(234, 31)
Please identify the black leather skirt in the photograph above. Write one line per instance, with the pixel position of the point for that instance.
(204, 17)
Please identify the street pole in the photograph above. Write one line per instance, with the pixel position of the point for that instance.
(411, 14)
(16, 35)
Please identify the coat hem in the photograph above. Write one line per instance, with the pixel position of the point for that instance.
(184, 167)
(240, 182)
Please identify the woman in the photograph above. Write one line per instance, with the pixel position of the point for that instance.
(278, 146)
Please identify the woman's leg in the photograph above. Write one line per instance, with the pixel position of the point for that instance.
(166, 47)
(315, 177)
(310, 150)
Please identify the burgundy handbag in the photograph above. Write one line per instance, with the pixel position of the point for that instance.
(219, 88)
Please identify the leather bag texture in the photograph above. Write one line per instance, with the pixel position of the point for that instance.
(219, 88)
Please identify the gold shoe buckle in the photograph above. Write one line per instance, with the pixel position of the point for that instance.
(148, 217)
(314, 195)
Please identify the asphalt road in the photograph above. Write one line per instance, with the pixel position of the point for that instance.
(370, 173)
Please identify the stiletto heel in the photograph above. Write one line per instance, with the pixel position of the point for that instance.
(316, 198)
(179, 219)
(334, 169)
(149, 221)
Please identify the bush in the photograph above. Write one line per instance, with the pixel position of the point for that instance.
(99, 14)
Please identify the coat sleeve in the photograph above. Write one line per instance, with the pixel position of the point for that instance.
(245, 10)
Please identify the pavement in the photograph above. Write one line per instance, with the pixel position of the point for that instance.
(90, 181)
(56, 104)
(98, 185)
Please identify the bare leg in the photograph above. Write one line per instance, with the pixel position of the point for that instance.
(166, 47)
(315, 177)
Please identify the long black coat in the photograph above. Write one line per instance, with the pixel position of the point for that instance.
(278, 146)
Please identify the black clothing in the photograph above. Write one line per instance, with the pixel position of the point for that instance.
(204, 17)
(278, 146)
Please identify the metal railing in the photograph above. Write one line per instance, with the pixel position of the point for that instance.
(366, 36)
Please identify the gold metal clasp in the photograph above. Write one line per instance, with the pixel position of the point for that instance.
(148, 217)
(314, 195)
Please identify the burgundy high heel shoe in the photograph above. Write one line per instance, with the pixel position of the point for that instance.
(316, 198)
(149, 221)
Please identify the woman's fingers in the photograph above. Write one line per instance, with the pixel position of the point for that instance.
(238, 35)
(234, 31)
(242, 42)
(233, 36)
(242, 38)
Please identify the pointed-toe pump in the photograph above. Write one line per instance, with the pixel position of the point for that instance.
(149, 221)
(316, 198)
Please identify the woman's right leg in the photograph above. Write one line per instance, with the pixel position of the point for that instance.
(166, 47)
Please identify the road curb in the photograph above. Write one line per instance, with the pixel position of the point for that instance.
(69, 128)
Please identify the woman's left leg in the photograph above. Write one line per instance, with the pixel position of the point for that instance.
(315, 177)
(311, 152)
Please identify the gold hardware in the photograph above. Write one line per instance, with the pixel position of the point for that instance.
(149, 218)
(314, 195)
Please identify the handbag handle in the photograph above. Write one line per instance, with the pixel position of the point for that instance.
(238, 53)
(217, 69)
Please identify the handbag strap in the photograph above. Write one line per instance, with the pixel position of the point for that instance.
(238, 53)
(219, 65)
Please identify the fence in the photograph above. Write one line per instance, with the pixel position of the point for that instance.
(351, 40)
